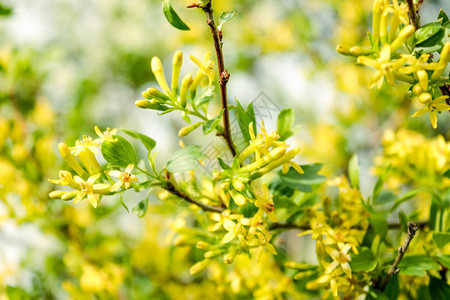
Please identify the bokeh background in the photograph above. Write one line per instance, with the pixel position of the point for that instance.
(68, 65)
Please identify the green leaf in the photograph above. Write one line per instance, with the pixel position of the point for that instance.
(5, 11)
(209, 126)
(365, 261)
(303, 182)
(245, 117)
(441, 238)
(444, 259)
(141, 208)
(408, 196)
(392, 290)
(417, 265)
(427, 31)
(380, 225)
(436, 42)
(185, 159)
(225, 17)
(119, 153)
(148, 142)
(172, 16)
(353, 171)
(442, 15)
(438, 289)
(285, 124)
(447, 173)
(223, 164)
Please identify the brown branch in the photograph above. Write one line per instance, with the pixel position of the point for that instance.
(412, 228)
(413, 14)
(170, 187)
(224, 76)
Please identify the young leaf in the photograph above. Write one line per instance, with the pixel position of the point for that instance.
(442, 15)
(353, 171)
(148, 142)
(119, 153)
(285, 124)
(209, 126)
(225, 17)
(185, 159)
(172, 16)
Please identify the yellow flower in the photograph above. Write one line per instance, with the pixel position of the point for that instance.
(340, 237)
(85, 150)
(65, 178)
(234, 230)
(265, 204)
(340, 258)
(89, 189)
(125, 178)
(432, 106)
(334, 280)
(385, 67)
(106, 135)
(206, 69)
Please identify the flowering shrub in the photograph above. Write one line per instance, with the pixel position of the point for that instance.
(232, 229)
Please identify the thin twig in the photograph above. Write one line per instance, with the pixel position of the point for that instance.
(224, 76)
(170, 187)
(412, 228)
(413, 14)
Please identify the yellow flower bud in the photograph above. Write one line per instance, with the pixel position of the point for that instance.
(69, 195)
(56, 194)
(185, 85)
(238, 185)
(199, 267)
(186, 130)
(443, 61)
(151, 93)
(417, 89)
(343, 50)
(64, 150)
(158, 71)
(216, 175)
(402, 37)
(212, 253)
(271, 156)
(176, 68)
(203, 245)
(239, 199)
(425, 98)
(357, 51)
(423, 79)
(229, 257)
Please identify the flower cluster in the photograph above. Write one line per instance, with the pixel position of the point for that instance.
(391, 33)
(414, 159)
(91, 181)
